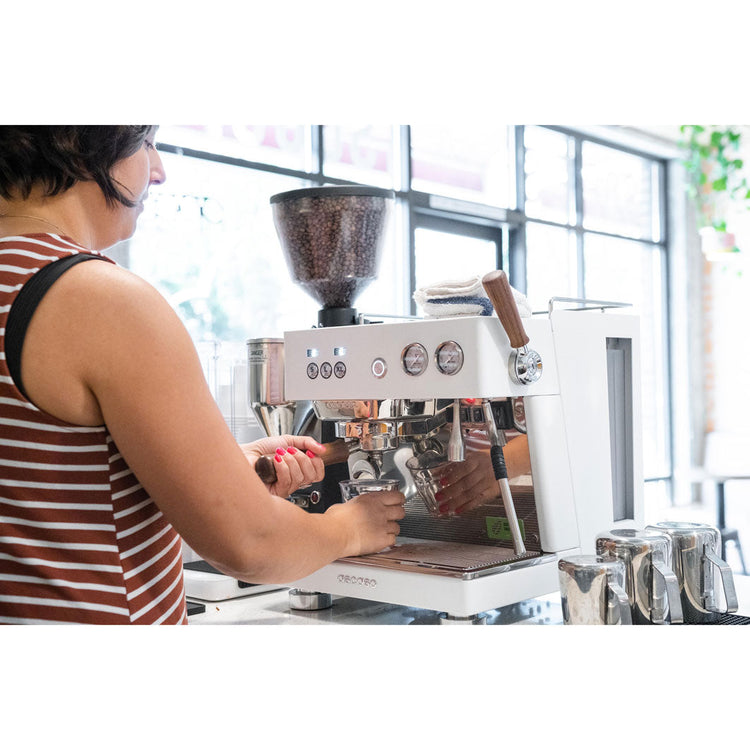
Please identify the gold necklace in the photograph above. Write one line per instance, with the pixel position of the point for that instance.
(36, 218)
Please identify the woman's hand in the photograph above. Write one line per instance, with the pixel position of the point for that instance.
(467, 484)
(295, 457)
(372, 520)
(470, 483)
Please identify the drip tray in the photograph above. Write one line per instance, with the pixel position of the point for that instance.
(454, 559)
(731, 620)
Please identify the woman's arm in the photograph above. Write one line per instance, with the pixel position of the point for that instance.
(105, 347)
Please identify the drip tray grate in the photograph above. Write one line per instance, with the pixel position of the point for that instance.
(730, 620)
(442, 558)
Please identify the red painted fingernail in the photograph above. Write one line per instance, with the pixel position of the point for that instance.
(291, 450)
(280, 451)
(438, 496)
(278, 459)
(443, 482)
(310, 454)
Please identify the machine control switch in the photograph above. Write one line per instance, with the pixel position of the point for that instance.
(379, 367)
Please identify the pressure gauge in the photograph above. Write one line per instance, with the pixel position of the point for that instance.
(449, 358)
(414, 359)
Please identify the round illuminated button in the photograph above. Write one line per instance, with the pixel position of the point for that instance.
(326, 370)
(312, 371)
(339, 369)
(379, 367)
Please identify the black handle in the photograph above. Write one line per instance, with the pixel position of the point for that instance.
(498, 462)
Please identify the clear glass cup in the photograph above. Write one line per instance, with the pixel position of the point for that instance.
(426, 470)
(350, 488)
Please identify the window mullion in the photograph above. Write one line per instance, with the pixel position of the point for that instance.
(576, 167)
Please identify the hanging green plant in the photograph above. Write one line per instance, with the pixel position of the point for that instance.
(716, 178)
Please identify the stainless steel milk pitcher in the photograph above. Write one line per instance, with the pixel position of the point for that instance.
(651, 584)
(592, 591)
(699, 569)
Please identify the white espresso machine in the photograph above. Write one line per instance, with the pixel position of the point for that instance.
(564, 383)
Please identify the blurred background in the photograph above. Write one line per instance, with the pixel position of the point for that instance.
(655, 216)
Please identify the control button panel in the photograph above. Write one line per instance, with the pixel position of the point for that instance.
(448, 358)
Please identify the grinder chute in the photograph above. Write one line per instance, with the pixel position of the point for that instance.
(332, 240)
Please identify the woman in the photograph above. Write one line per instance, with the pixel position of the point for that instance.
(111, 446)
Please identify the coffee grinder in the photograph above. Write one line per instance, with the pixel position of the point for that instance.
(332, 241)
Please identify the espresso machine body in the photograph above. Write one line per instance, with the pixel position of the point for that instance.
(459, 388)
(382, 385)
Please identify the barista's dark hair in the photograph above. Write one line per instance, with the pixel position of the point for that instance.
(56, 157)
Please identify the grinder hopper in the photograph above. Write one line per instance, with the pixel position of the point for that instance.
(332, 240)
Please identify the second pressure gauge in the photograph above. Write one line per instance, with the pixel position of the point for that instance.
(449, 358)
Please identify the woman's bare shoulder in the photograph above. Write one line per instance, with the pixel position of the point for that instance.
(97, 324)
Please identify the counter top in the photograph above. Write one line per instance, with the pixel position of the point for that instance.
(272, 608)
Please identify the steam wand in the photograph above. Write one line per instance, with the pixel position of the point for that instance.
(497, 441)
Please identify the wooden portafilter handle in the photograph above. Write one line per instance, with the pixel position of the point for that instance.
(335, 453)
(498, 289)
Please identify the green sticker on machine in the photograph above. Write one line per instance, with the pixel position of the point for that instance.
(499, 528)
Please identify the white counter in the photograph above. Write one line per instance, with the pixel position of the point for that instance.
(272, 608)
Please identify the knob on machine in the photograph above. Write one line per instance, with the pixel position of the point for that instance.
(525, 364)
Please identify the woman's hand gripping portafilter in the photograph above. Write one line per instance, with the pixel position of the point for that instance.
(335, 452)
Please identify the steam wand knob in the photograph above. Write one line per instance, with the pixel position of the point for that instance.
(525, 364)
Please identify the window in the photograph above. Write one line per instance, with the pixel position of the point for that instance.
(360, 154)
(438, 255)
(469, 163)
(595, 230)
(563, 213)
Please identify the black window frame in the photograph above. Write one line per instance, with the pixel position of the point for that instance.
(505, 226)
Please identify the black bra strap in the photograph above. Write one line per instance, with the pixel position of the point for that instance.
(25, 305)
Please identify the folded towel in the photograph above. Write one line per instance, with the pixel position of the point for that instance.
(452, 298)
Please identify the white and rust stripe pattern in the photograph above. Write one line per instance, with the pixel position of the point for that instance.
(80, 539)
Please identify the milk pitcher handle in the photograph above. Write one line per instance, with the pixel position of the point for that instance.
(670, 583)
(727, 581)
(618, 606)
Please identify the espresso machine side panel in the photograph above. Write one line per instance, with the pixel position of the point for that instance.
(551, 469)
(601, 406)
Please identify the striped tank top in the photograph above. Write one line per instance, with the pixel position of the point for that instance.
(80, 539)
